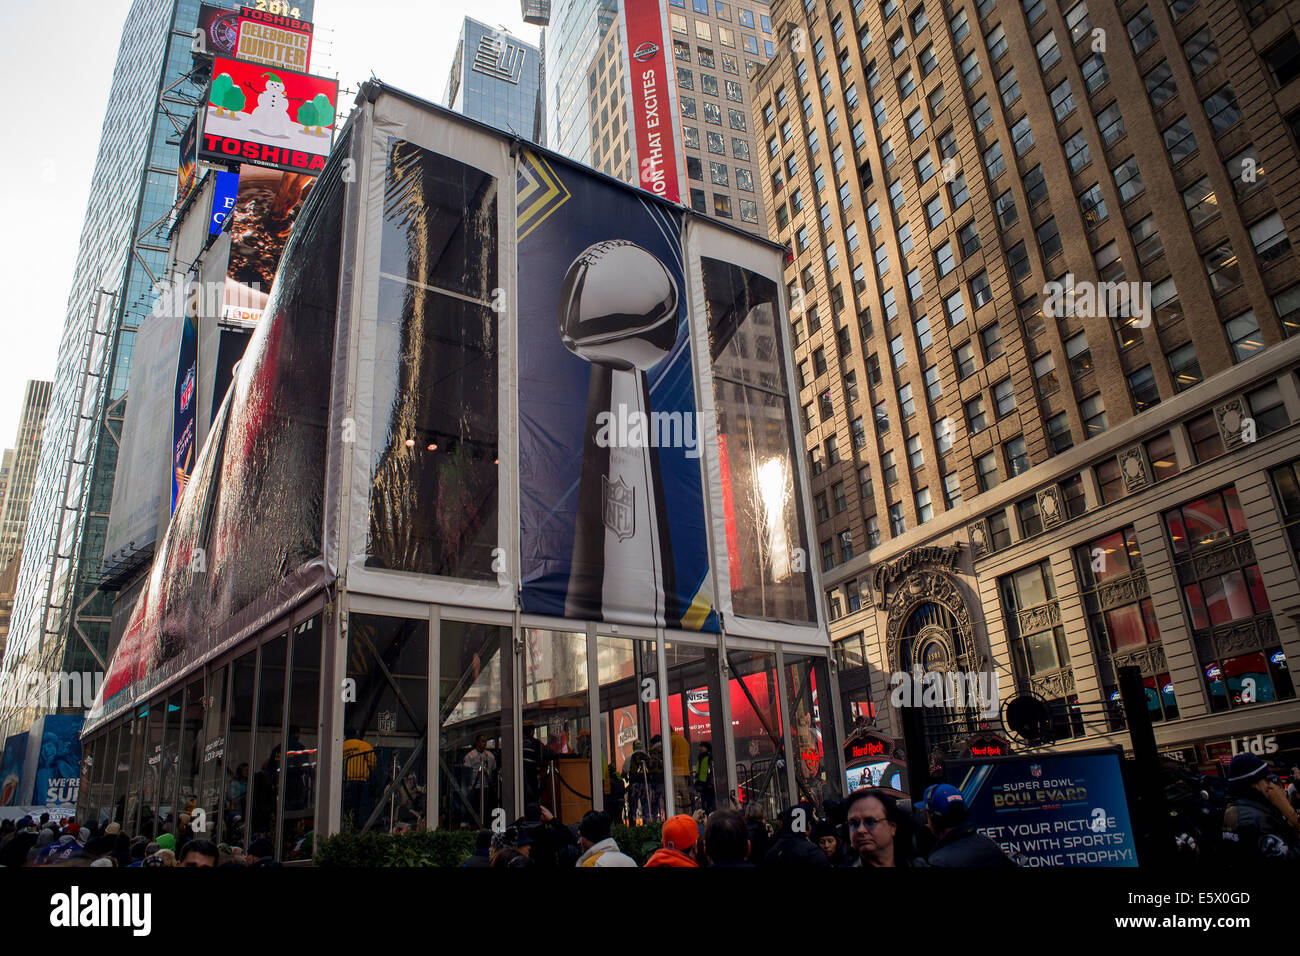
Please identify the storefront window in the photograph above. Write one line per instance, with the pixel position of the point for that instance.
(756, 722)
(807, 686)
(556, 742)
(476, 755)
(695, 712)
(1038, 648)
(433, 498)
(171, 777)
(191, 747)
(122, 775)
(386, 728)
(263, 813)
(151, 814)
(211, 779)
(301, 745)
(139, 733)
(629, 706)
(239, 744)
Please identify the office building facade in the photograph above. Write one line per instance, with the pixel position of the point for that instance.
(61, 619)
(496, 78)
(1045, 305)
(717, 47)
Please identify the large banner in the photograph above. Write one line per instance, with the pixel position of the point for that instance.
(1051, 809)
(187, 169)
(273, 40)
(224, 193)
(652, 113)
(184, 418)
(266, 203)
(11, 768)
(58, 765)
(266, 117)
(611, 502)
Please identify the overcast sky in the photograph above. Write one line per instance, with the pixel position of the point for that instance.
(56, 61)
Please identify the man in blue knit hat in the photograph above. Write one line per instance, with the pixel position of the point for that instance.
(1255, 825)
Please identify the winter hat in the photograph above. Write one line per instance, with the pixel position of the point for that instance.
(113, 828)
(942, 799)
(74, 828)
(681, 833)
(103, 861)
(1246, 768)
(167, 842)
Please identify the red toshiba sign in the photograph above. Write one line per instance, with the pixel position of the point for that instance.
(268, 117)
(656, 145)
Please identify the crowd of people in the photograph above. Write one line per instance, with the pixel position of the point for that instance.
(42, 841)
(1257, 823)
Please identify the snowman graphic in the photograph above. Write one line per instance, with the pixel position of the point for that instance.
(271, 117)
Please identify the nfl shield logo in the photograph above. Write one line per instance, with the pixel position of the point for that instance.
(387, 722)
(1035, 770)
(620, 502)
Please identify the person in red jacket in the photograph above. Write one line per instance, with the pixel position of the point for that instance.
(680, 835)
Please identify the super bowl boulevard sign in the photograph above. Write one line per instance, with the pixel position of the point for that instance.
(266, 117)
(1051, 809)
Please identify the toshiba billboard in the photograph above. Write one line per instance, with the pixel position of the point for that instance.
(652, 111)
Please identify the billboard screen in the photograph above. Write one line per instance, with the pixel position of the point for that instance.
(611, 499)
(11, 768)
(187, 168)
(217, 31)
(652, 115)
(266, 203)
(58, 765)
(184, 418)
(273, 40)
(266, 117)
(1051, 809)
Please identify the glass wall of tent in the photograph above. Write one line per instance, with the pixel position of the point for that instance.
(461, 719)
(231, 750)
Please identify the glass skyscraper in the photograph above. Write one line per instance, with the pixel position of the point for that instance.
(61, 620)
(571, 44)
(496, 78)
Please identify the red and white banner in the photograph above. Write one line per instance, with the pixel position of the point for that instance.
(652, 112)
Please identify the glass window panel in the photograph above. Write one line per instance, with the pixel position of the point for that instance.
(628, 672)
(302, 748)
(557, 749)
(268, 741)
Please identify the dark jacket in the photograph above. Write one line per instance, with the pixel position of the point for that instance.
(794, 849)
(966, 846)
(478, 860)
(1254, 831)
(759, 841)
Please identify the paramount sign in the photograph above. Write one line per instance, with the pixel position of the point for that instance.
(886, 574)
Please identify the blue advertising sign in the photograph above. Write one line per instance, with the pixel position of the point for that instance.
(11, 769)
(611, 493)
(223, 200)
(1051, 809)
(58, 767)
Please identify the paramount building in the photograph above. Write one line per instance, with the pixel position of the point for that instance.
(1015, 469)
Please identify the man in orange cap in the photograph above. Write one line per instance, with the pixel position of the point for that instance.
(680, 834)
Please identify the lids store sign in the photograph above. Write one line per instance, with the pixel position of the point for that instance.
(887, 574)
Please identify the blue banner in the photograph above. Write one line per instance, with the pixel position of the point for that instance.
(58, 767)
(612, 521)
(224, 193)
(1051, 809)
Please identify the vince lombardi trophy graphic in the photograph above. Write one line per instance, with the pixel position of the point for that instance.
(618, 310)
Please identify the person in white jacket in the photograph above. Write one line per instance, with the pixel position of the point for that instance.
(598, 847)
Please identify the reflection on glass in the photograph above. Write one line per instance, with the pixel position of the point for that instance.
(476, 746)
(764, 525)
(806, 679)
(629, 707)
(557, 749)
(150, 774)
(433, 500)
(756, 722)
(211, 779)
(122, 777)
(191, 745)
(267, 745)
(386, 729)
